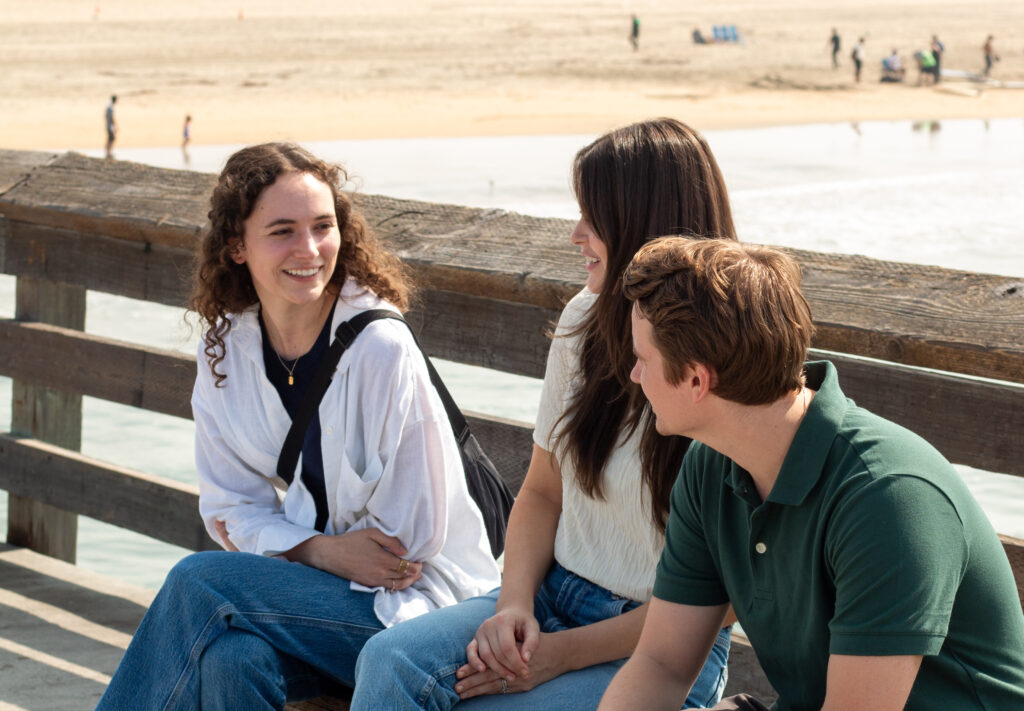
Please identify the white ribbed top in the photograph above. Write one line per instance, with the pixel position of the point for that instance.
(611, 542)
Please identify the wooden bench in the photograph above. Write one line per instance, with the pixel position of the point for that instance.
(936, 350)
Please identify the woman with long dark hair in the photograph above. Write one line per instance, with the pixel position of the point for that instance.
(376, 525)
(588, 525)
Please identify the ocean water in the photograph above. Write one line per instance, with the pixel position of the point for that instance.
(928, 192)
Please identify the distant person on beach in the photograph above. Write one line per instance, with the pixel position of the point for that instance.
(698, 36)
(857, 55)
(860, 566)
(587, 527)
(892, 67)
(836, 44)
(926, 67)
(186, 136)
(990, 54)
(937, 49)
(111, 124)
(376, 524)
(634, 33)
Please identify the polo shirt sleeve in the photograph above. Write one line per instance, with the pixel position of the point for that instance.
(897, 551)
(687, 573)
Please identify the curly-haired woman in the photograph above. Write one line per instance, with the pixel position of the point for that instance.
(376, 526)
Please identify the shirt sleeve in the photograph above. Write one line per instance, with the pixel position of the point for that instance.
(559, 372)
(687, 573)
(230, 489)
(897, 551)
(405, 450)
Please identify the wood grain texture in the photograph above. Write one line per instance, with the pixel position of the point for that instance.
(916, 315)
(154, 506)
(15, 166)
(49, 414)
(970, 420)
(129, 374)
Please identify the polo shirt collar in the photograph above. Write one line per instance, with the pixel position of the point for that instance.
(805, 461)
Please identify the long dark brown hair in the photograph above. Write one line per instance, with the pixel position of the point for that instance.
(221, 287)
(636, 183)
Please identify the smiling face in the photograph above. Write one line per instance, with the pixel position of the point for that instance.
(594, 252)
(290, 244)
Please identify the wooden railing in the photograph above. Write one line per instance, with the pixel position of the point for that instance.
(940, 351)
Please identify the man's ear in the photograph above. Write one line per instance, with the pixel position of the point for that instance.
(702, 380)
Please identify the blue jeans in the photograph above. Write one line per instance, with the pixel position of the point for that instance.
(241, 631)
(412, 665)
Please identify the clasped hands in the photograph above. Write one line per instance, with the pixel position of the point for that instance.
(368, 557)
(508, 647)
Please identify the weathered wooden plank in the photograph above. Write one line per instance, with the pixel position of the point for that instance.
(140, 376)
(911, 314)
(138, 270)
(15, 166)
(50, 415)
(113, 198)
(495, 334)
(970, 420)
(62, 632)
(154, 506)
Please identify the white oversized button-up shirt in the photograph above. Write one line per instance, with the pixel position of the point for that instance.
(390, 460)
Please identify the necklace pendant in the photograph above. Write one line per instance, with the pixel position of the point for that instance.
(291, 380)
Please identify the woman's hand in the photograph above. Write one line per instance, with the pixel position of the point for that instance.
(505, 643)
(368, 557)
(545, 664)
(222, 531)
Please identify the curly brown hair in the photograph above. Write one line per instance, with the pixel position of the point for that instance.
(220, 287)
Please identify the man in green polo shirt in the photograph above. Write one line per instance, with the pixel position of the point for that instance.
(862, 570)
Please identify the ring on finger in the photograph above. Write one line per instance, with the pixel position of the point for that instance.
(403, 565)
(504, 686)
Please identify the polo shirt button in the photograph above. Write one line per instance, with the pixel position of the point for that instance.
(329, 430)
(761, 547)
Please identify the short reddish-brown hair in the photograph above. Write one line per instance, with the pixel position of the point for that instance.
(734, 307)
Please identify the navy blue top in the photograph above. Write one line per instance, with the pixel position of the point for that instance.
(291, 397)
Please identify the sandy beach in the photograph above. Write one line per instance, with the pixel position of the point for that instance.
(254, 70)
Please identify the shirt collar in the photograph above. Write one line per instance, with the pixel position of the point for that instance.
(805, 461)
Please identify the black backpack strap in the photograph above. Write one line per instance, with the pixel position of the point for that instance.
(344, 335)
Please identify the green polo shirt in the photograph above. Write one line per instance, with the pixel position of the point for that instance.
(868, 544)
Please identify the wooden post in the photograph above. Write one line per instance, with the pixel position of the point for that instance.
(50, 415)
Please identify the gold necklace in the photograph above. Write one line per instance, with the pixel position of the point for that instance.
(291, 377)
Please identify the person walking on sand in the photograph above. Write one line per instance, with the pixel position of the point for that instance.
(857, 55)
(634, 33)
(836, 44)
(111, 125)
(990, 54)
(186, 136)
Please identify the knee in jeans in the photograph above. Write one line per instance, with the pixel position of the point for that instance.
(378, 650)
(235, 656)
(196, 568)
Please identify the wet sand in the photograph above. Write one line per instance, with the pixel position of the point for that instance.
(254, 70)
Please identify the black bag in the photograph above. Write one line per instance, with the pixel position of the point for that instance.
(488, 489)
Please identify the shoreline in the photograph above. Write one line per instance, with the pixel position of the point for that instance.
(408, 68)
(245, 120)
